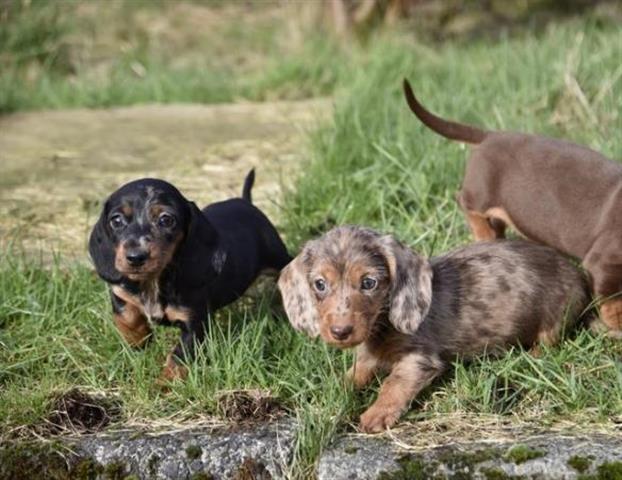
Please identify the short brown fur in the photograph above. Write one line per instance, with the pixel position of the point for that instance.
(552, 191)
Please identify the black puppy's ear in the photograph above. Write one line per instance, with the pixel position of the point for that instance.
(102, 249)
(198, 255)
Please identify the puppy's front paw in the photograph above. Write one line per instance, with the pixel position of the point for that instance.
(377, 418)
(171, 371)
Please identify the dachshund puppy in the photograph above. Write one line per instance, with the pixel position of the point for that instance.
(167, 262)
(412, 316)
(552, 191)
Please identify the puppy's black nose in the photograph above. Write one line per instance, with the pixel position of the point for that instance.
(341, 333)
(136, 257)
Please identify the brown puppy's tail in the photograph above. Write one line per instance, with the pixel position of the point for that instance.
(446, 128)
(248, 185)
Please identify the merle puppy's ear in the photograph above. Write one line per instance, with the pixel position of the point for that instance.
(411, 285)
(198, 250)
(298, 300)
(102, 249)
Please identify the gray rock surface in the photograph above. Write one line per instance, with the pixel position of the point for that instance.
(258, 452)
(541, 457)
(265, 450)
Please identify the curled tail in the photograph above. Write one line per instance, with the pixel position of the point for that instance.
(248, 185)
(446, 128)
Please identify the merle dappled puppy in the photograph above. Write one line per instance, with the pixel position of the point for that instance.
(168, 262)
(412, 316)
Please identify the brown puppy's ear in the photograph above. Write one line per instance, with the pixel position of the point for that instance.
(411, 285)
(298, 300)
(102, 249)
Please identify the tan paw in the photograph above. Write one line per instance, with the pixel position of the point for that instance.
(172, 371)
(611, 317)
(377, 419)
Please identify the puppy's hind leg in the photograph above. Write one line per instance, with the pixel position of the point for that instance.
(483, 227)
(607, 283)
(611, 316)
(546, 338)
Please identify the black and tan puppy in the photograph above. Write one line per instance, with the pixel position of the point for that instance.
(552, 191)
(167, 262)
(412, 316)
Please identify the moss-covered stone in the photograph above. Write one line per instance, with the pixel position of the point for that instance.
(350, 450)
(152, 465)
(461, 465)
(50, 461)
(610, 471)
(521, 453)
(459, 459)
(32, 461)
(605, 471)
(579, 463)
(411, 468)
(193, 452)
(115, 471)
(494, 473)
(86, 469)
(201, 476)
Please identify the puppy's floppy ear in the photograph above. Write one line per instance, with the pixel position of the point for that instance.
(102, 249)
(298, 300)
(198, 255)
(411, 285)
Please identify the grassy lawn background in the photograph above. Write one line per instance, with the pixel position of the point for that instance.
(375, 164)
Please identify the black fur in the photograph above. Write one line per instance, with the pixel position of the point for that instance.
(217, 252)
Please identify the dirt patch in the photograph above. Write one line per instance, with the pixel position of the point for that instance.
(80, 412)
(57, 168)
(247, 406)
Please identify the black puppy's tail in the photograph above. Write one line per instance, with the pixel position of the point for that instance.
(248, 185)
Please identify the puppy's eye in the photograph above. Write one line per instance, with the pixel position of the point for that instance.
(368, 283)
(117, 221)
(320, 285)
(166, 220)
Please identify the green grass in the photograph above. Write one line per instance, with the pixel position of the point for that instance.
(65, 54)
(373, 164)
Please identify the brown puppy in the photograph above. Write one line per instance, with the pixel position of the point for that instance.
(551, 191)
(412, 316)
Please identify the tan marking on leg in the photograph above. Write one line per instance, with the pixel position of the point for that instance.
(127, 297)
(406, 380)
(545, 337)
(172, 371)
(364, 368)
(132, 325)
(480, 226)
(502, 215)
(611, 316)
(177, 314)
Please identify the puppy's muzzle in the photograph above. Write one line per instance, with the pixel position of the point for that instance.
(341, 332)
(136, 257)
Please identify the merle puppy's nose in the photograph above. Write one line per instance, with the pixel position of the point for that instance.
(341, 333)
(136, 257)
